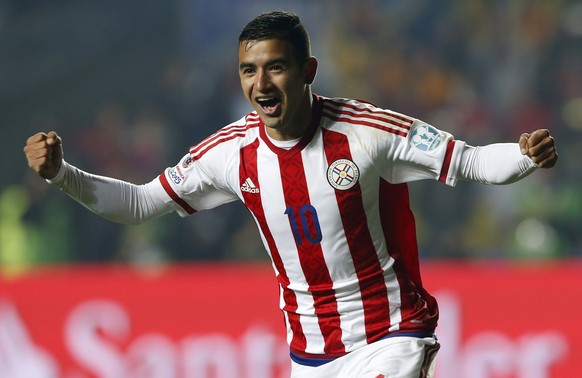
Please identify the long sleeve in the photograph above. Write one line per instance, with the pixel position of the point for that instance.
(499, 163)
(113, 199)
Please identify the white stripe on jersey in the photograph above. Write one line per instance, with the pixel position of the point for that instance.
(274, 208)
(348, 295)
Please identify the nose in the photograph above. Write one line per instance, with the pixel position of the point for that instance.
(263, 81)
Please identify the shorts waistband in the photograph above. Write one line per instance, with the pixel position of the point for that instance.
(314, 362)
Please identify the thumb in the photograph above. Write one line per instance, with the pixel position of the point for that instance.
(523, 145)
(55, 144)
(53, 138)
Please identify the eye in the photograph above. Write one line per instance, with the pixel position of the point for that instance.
(276, 68)
(247, 71)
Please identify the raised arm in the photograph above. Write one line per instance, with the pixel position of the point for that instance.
(110, 198)
(504, 163)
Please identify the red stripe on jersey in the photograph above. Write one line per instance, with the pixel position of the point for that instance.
(447, 161)
(374, 119)
(406, 122)
(418, 308)
(364, 123)
(253, 201)
(310, 252)
(364, 256)
(199, 151)
(359, 113)
(223, 135)
(173, 195)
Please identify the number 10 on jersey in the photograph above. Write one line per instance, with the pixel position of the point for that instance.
(304, 224)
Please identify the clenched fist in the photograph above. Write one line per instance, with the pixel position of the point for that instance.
(44, 152)
(540, 147)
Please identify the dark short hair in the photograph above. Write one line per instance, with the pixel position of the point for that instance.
(279, 25)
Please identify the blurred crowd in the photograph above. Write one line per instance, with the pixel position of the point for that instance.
(130, 89)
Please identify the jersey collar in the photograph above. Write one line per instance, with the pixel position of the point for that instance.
(315, 119)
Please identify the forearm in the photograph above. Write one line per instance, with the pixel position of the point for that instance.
(500, 163)
(113, 199)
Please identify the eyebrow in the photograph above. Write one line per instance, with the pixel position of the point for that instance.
(244, 65)
(271, 62)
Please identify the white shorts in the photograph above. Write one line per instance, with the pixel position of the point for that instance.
(393, 357)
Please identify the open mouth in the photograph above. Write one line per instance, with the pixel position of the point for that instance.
(269, 105)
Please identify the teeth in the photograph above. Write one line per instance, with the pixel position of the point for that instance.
(267, 101)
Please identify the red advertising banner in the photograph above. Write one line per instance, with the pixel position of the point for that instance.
(498, 320)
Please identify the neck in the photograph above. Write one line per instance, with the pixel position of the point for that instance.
(297, 126)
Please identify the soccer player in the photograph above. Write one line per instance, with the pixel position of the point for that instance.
(325, 181)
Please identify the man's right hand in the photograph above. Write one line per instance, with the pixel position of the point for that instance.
(44, 152)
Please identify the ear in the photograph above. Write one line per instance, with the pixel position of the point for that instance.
(310, 70)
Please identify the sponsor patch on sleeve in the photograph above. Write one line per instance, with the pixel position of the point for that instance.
(426, 138)
(176, 175)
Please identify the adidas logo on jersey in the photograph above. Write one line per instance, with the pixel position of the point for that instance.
(249, 186)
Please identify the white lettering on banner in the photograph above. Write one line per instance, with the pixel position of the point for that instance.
(152, 355)
(264, 351)
(19, 357)
(491, 353)
(97, 335)
(203, 354)
(94, 352)
(94, 326)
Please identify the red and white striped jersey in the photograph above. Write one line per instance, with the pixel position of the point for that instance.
(333, 213)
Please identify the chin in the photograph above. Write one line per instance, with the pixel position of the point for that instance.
(271, 122)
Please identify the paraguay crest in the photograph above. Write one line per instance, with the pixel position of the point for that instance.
(343, 174)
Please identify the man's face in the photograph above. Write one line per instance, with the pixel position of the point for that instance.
(276, 85)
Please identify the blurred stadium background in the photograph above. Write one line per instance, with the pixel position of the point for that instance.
(131, 85)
